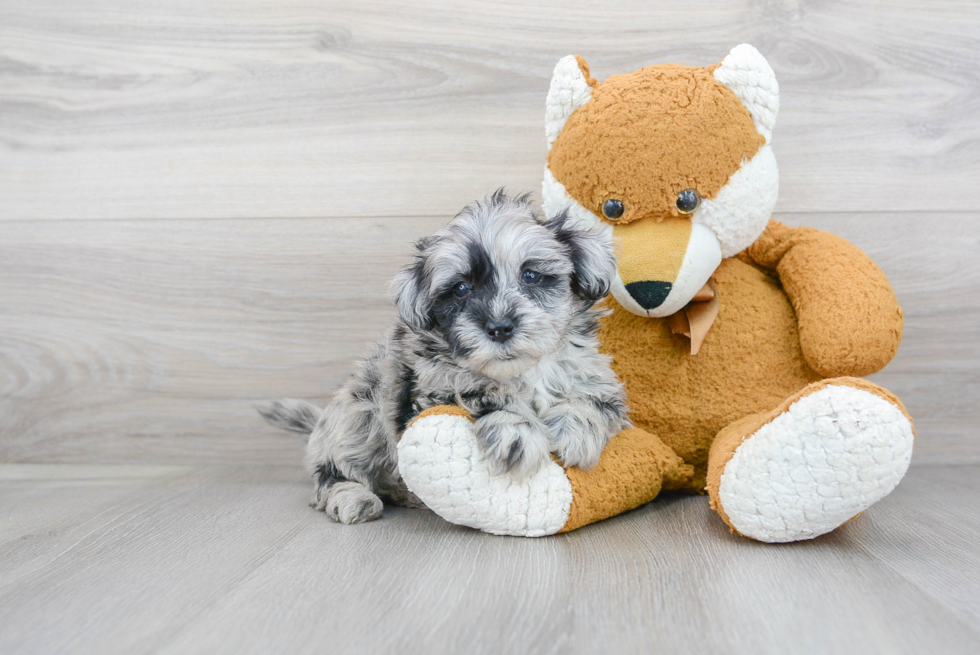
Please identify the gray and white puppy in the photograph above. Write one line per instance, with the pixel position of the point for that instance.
(495, 315)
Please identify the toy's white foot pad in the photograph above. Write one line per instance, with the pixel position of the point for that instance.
(830, 456)
(441, 463)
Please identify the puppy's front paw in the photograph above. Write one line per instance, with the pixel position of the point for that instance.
(352, 502)
(579, 438)
(512, 444)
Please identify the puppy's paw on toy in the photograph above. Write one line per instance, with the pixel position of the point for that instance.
(443, 463)
(579, 437)
(512, 444)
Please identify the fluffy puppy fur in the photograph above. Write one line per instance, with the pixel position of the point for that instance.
(495, 315)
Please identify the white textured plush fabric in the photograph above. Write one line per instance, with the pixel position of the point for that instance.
(569, 90)
(739, 213)
(441, 463)
(555, 198)
(746, 72)
(829, 457)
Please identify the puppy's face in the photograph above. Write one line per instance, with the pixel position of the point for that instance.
(500, 287)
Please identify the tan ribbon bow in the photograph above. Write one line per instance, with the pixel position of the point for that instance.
(697, 317)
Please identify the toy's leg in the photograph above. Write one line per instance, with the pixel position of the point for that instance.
(440, 461)
(818, 460)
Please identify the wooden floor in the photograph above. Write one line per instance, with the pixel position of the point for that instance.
(201, 205)
(228, 559)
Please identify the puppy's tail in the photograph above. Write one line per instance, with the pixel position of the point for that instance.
(290, 414)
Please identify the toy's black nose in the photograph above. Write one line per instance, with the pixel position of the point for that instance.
(500, 331)
(649, 295)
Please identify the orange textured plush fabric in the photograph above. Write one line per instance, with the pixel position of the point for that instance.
(764, 409)
(849, 320)
(750, 361)
(796, 307)
(649, 135)
(633, 470)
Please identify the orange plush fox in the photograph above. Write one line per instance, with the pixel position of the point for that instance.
(739, 340)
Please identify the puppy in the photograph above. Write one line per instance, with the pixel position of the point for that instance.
(495, 315)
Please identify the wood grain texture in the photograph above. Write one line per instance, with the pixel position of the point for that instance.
(230, 560)
(201, 205)
(296, 108)
(147, 341)
(133, 340)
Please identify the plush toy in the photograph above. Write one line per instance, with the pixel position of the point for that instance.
(739, 340)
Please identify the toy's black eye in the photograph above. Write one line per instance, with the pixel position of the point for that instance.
(687, 201)
(613, 209)
(531, 277)
(462, 289)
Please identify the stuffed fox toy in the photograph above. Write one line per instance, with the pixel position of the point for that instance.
(740, 341)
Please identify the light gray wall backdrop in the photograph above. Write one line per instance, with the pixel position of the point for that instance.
(201, 206)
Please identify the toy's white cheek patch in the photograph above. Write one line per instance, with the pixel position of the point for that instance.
(555, 199)
(739, 213)
(440, 461)
(830, 456)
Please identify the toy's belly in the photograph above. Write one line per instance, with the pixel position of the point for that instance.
(749, 362)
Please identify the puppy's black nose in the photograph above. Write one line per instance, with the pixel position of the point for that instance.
(500, 331)
(649, 295)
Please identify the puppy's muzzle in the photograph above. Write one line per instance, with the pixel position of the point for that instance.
(500, 331)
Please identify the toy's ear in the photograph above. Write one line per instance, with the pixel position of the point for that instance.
(746, 72)
(571, 87)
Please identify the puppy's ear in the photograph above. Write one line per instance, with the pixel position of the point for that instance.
(592, 258)
(410, 290)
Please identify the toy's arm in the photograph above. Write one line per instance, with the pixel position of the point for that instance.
(442, 463)
(850, 321)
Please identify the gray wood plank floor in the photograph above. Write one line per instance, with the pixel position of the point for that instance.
(229, 559)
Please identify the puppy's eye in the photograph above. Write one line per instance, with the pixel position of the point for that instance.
(687, 201)
(462, 290)
(530, 277)
(613, 209)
